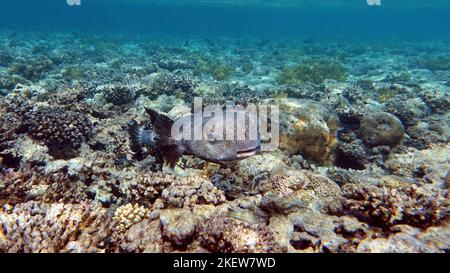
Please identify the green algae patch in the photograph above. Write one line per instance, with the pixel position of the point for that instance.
(217, 69)
(438, 63)
(315, 71)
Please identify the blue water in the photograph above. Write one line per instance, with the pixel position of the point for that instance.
(363, 97)
(352, 19)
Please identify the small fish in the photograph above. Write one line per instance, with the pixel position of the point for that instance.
(211, 147)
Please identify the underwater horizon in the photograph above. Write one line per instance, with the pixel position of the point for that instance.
(331, 19)
(345, 126)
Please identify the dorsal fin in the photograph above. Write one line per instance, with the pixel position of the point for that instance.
(161, 124)
(169, 149)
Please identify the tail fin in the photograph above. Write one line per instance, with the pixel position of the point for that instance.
(136, 141)
(159, 137)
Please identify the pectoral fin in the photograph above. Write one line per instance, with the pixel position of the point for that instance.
(171, 154)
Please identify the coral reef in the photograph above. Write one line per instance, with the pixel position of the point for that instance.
(57, 227)
(308, 128)
(175, 192)
(387, 206)
(297, 190)
(168, 84)
(381, 129)
(362, 164)
(34, 184)
(128, 215)
(222, 234)
(117, 94)
(315, 71)
(62, 131)
(33, 69)
(9, 125)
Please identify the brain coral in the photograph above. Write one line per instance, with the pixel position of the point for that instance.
(381, 129)
(306, 127)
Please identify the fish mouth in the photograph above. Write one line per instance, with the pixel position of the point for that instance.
(248, 153)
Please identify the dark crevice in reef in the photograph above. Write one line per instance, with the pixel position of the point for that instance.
(301, 244)
(347, 162)
(10, 161)
(349, 123)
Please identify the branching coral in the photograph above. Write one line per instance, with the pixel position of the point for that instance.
(32, 69)
(117, 94)
(224, 234)
(62, 131)
(167, 83)
(58, 227)
(228, 92)
(387, 206)
(32, 184)
(70, 96)
(9, 125)
(189, 191)
(145, 190)
(12, 113)
(174, 191)
(128, 215)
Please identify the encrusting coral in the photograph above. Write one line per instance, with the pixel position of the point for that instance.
(178, 226)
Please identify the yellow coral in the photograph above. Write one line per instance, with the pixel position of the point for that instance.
(128, 215)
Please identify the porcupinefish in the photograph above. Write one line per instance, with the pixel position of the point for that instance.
(172, 139)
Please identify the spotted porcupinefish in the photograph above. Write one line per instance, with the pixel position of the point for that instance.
(172, 139)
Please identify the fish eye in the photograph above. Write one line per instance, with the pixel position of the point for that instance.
(211, 137)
